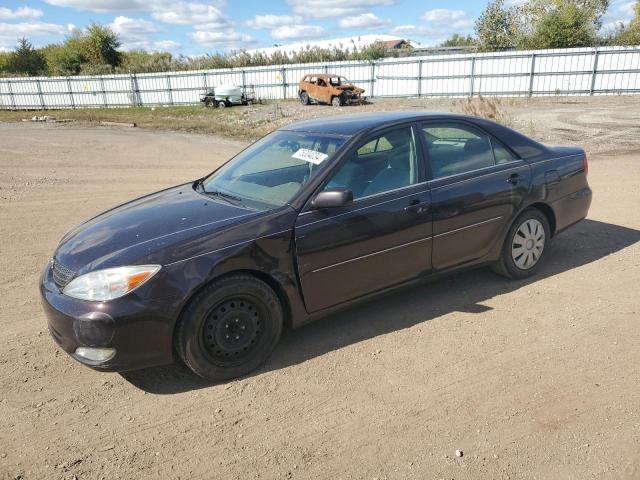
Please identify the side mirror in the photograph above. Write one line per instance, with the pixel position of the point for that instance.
(336, 197)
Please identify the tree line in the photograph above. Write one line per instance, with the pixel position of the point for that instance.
(534, 24)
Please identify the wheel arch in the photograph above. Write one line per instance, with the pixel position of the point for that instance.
(548, 212)
(271, 281)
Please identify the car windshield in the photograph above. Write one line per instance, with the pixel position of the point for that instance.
(273, 170)
(337, 81)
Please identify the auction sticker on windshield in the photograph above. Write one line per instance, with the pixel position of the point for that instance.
(310, 156)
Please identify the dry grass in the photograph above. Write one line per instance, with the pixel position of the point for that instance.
(235, 122)
(490, 108)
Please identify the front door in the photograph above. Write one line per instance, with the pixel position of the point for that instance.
(382, 239)
(477, 186)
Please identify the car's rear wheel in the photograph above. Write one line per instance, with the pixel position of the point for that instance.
(337, 101)
(208, 103)
(230, 328)
(304, 98)
(222, 104)
(525, 245)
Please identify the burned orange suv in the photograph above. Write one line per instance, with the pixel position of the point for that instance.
(328, 88)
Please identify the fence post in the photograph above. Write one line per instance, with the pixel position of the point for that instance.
(473, 76)
(373, 77)
(532, 74)
(419, 78)
(244, 80)
(73, 103)
(283, 71)
(169, 92)
(42, 105)
(104, 92)
(11, 95)
(594, 71)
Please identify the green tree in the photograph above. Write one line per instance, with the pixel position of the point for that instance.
(497, 27)
(457, 40)
(26, 60)
(64, 58)
(100, 46)
(568, 25)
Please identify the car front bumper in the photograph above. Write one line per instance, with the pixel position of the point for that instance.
(140, 330)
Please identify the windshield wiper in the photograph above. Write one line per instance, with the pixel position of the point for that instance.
(223, 195)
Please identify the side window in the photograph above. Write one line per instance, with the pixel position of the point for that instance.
(380, 144)
(454, 149)
(502, 154)
(384, 163)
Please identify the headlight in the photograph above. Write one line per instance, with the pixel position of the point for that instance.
(109, 283)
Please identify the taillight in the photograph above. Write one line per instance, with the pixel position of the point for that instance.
(585, 164)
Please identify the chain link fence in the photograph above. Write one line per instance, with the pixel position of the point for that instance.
(587, 71)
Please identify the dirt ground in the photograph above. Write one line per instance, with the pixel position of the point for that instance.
(536, 379)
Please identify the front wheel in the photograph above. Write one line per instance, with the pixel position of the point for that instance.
(336, 101)
(222, 104)
(304, 98)
(230, 328)
(524, 248)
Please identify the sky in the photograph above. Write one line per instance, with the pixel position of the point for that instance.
(195, 27)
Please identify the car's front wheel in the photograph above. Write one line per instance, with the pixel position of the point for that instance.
(525, 246)
(230, 328)
(304, 98)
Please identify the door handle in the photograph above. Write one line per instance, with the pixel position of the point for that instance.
(417, 206)
(513, 179)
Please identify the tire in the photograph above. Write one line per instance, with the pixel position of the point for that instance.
(304, 98)
(230, 328)
(524, 248)
(222, 104)
(209, 103)
(337, 101)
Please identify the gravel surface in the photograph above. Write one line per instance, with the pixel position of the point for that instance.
(535, 379)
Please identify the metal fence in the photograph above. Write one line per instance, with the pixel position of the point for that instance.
(600, 71)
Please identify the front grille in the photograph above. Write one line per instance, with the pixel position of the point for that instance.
(61, 274)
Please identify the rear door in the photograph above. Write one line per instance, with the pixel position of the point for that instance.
(382, 239)
(477, 184)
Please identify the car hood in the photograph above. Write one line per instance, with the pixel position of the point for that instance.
(142, 230)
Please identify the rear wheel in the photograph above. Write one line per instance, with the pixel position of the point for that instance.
(524, 248)
(336, 101)
(230, 328)
(304, 98)
(222, 104)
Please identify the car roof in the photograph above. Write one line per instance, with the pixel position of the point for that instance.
(353, 124)
(321, 75)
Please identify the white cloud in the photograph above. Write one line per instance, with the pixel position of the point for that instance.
(166, 45)
(272, 21)
(120, 6)
(413, 31)
(451, 19)
(231, 40)
(364, 20)
(290, 32)
(442, 15)
(619, 12)
(22, 12)
(102, 6)
(334, 8)
(186, 13)
(11, 32)
(134, 32)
